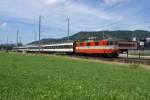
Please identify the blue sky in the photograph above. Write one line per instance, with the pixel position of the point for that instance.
(85, 15)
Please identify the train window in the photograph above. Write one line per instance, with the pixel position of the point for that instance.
(65, 46)
(61, 46)
(71, 46)
(57, 47)
(96, 43)
(88, 44)
(68, 46)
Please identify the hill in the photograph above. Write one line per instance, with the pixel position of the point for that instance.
(98, 35)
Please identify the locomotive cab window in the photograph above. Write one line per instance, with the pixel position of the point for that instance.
(96, 43)
(88, 44)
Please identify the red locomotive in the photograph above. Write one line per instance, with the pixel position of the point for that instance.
(104, 47)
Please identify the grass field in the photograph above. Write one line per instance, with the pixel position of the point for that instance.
(29, 77)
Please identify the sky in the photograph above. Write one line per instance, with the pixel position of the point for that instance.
(84, 15)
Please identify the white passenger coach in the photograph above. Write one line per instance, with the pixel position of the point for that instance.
(52, 48)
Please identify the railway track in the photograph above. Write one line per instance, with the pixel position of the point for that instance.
(120, 59)
(135, 61)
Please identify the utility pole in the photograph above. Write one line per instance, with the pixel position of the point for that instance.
(34, 36)
(20, 42)
(7, 44)
(40, 19)
(17, 37)
(68, 28)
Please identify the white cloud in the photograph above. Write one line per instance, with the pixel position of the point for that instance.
(51, 2)
(53, 8)
(85, 10)
(4, 24)
(112, 2)
(55, 2)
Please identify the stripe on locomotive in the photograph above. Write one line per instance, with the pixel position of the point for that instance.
(97, 49)
(100, 51)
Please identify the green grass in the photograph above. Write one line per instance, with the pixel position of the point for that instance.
(29, 77)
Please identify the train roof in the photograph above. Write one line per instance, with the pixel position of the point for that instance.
(58, 44)
(108, 39)
(71, 43)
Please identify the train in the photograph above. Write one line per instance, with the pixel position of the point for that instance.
(105, 47)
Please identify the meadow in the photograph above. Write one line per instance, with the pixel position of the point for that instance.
(38, 77)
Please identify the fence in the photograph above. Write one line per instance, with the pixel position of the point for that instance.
(141, 52)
